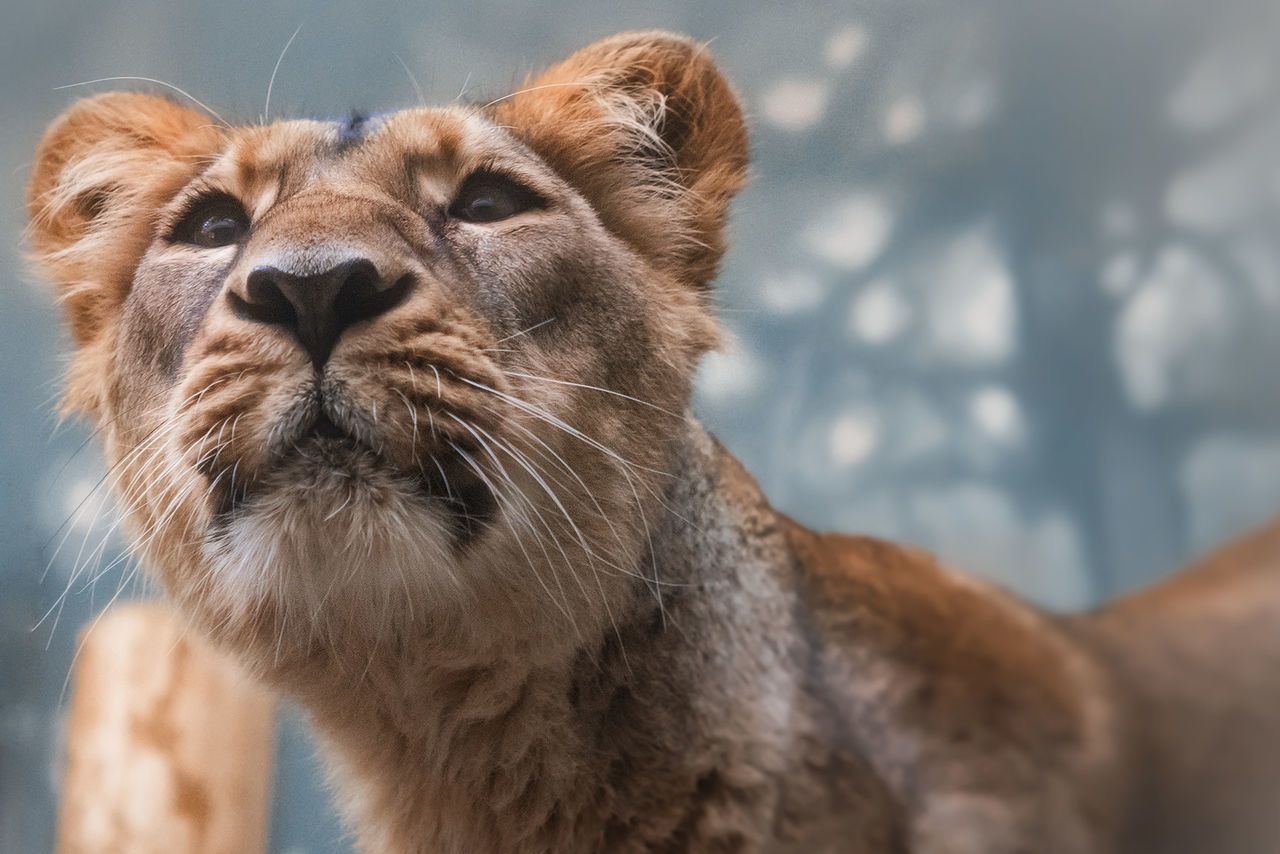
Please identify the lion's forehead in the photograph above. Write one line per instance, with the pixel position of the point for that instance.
(386, 150)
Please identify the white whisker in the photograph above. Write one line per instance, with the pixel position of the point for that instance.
(596, 388)
(525, 331)
(496, 101)
(463, 90)
(183, 92)
(266, 108)
(413, 81)
(556, 422)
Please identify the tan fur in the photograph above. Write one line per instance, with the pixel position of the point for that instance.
(589, 631)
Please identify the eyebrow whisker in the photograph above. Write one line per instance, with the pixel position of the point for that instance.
(266, 108)
(183, 92)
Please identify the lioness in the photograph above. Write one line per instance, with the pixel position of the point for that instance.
(397, 408)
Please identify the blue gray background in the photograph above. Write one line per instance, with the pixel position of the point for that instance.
(1006, 283)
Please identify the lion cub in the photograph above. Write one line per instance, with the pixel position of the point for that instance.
(397, 409)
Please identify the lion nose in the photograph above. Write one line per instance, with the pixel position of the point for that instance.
(316, 309)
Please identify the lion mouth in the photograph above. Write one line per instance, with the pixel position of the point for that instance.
(327, 460)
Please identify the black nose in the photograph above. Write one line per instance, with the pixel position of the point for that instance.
(316, 309)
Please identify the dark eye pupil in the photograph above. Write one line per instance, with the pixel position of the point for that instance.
(488, 204)
(489, 199)
(218, 231)
(217, 221)
(485, 207)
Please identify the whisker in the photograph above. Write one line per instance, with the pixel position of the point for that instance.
(590, 495)
(155, 432)
(597, 388)
(556, 422)
(266, 108)
(525, 331)
(517, 538)
(576, 84)
(183, 92)
(413, 413)
(80, 564)
(588, 552)
(463, 90)
(417, 90)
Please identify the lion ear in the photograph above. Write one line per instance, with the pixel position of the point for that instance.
(647, 129)
(103, 171)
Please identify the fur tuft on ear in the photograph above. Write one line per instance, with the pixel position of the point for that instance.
(103, 172)
(645, 126)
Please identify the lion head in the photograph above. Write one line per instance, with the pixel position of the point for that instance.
(422, 368)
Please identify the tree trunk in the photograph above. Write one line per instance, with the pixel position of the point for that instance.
(169, 746)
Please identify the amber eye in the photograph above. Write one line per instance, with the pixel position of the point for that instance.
(213, 222)
(488, 198)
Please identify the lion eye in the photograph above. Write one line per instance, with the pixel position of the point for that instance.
(489, 198)
(215, 222)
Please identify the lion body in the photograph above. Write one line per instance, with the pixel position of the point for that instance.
(397, 410)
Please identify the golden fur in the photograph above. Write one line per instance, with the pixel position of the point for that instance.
(460, 512)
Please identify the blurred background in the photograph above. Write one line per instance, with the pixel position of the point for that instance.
(1006, 283)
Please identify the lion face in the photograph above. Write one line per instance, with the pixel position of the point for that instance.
(355, 375)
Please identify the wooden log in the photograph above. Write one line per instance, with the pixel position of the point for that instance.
(169, 746)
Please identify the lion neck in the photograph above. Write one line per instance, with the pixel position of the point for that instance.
(610, 741)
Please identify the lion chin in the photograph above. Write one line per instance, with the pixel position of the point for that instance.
(333, 532)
